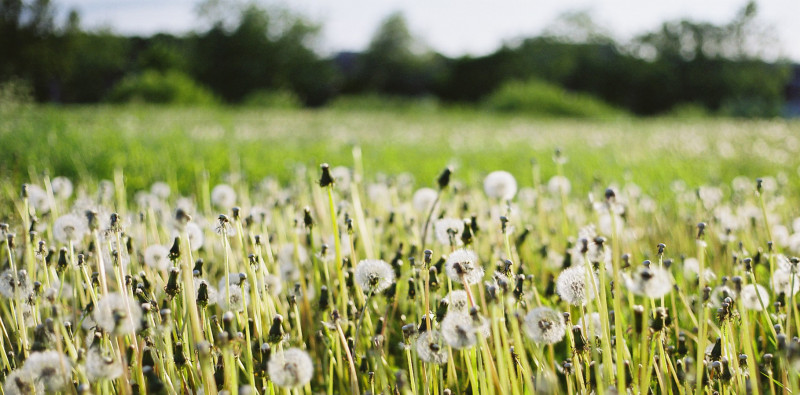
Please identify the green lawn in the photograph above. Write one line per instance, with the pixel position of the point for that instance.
(175, 144)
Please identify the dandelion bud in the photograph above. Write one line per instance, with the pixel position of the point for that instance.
(748, 267)
(433, 280)
(577, 335)
(62, 261)
(742, 361)
(682, 349)
(324, 301)
(175, 251)
(276, 330)
(307, 220)
(759, 184)
(228, 320)
(626, 258)
(326, 178)
(661, 247)
(412, 289)
(701, 228)
(610, 194)
(466, 235)
(409, 330)
(706, 293)
(172, 288)
(444, 178)
(518, 287)
(638, 316)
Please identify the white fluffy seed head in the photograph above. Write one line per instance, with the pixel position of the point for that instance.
(291, 368)
(691, 270)
(117, 314)
(462, 266)
(50, 368)
(445, 227)
(652, 282)
(544, 325)
(559, 184)
(785, 281)
(70, 228)
(223, 196)
(238, 299)
(160, 189)
(15, 286)
(62, 187)
(591, 323)
(22, 382)
(749, 297)
(457, 301)
(500, 185)
(102, 367)
(423, 199)
(431, 347)
(157, 257)
(573, 287)
(460, 330)
(374, 275)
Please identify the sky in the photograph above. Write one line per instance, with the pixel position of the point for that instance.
(452, 27)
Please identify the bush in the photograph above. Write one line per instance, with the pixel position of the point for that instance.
(15, 94)
(273, 99)
(536, 97)
(170, 87)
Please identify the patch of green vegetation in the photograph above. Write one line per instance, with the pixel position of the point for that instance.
(540, 98)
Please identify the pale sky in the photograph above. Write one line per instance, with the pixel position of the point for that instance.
(453, 27)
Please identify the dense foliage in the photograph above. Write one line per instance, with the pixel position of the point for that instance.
(248, 49)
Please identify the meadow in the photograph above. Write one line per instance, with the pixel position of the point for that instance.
(413, 249)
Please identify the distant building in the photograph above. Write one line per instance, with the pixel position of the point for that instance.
(792, 107)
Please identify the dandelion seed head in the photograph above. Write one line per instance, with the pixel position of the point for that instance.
(237, 302)
(462, 266)
(37, 198)
(288, 255)
(15, 287)
(223, 196)
(593, 322)
(70, 228)
(62, 187)
(785, 281)
(459, 330)
(423, 200)
(21, 382)
(652, 282)
(50, 368)
(102, 367)
(272, 285)
(157, 257)
(457, 300)
(118, 314)
(573, 287)
(374, 275)
(749, 297)
(691, 270)
(544, 325)
(500, 185)
(445, 227)
(290, 368)
(559, 184)
(431, 347)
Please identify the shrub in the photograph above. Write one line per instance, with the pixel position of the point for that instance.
(537, 97)
(170, 87)
(376, 102)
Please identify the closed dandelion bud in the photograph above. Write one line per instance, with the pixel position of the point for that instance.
(444, 178)
(326, 178)
(91, 219)
(679, 371)
(324, 302)
(682, 349)
(441, 309)
(62, 261)
(198, 267)
(743, 361)
(10, 240)
(172, 288)
(577, 335)
(228, 322)
(716, 350)
(427, 256)
(276, 330)
(518, 288)
(491, 293)
(433, 280)
(466, 235)
(179, 357)
(737, 283)
(638, 317)
(154, 383)
(308, 222)
(781, 341)
(409, 330)
(626, 261)
(726, 371)
(748, 264)
(412, 289)
(667, 263)
(759, 184)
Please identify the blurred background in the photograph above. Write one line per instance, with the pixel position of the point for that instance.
(565, 58)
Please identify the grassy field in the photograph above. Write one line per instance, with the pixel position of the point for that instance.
(529, 286)
(157, 144)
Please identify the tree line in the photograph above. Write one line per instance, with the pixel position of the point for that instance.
(249, 51)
